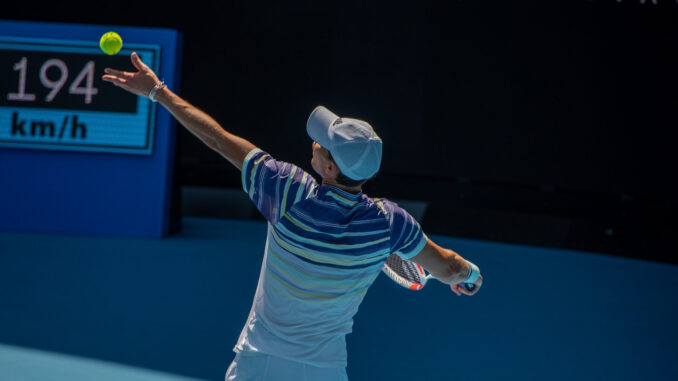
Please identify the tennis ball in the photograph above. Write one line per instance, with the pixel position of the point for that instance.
(110, 43)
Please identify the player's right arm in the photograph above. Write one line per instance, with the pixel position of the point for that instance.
(231, 147)
(447, 266)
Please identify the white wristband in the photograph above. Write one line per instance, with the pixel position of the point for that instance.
(151, 94)
(474, 274)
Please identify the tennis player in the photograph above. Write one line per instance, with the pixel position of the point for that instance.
(326, 241)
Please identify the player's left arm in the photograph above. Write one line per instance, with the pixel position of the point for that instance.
(232, 147)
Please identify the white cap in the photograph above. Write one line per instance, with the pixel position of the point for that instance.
(354, 145)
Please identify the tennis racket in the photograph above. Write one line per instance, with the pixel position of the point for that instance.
(409, 274)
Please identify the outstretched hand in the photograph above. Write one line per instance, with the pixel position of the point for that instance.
(139, 83)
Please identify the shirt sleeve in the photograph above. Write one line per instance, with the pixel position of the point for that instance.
(407, 238)
(274, 186)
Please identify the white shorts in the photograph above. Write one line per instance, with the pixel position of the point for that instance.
(248, 366)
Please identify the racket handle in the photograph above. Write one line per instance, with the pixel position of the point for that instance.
(469, 286)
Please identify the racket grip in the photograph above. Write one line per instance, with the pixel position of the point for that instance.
(469, 286)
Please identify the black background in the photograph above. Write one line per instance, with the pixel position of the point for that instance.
(547, 123)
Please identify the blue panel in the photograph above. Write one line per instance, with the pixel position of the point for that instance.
(42, 105)
(100, 167)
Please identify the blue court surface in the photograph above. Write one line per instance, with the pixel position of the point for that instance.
(101, 308)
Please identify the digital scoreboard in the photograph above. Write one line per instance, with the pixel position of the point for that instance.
(78, 154)
(52, 97)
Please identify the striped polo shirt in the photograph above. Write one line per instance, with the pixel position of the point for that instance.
(324, 248)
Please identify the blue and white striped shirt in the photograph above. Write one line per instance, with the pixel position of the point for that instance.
(324, 249)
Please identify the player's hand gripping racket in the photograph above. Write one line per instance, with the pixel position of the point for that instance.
(409, 274)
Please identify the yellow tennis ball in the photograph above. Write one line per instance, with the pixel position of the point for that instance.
(110, 43)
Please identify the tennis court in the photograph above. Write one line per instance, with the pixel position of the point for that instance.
(84, 308)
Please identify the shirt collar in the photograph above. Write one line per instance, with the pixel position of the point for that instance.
(332, 191)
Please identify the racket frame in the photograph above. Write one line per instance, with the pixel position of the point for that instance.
(404, 282)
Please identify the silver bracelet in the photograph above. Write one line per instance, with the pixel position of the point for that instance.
(151, 94)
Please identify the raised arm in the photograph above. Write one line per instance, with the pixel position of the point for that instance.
(231, 147)
(447, 266)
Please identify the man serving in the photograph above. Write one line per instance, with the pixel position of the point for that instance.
(326, 242)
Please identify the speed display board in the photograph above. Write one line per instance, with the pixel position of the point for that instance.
(52, 97)
(79, 155)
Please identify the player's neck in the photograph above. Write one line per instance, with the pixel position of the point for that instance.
(354, 190)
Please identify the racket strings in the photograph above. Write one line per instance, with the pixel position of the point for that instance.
(405, 269)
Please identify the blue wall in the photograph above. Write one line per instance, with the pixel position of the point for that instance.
(94, 193)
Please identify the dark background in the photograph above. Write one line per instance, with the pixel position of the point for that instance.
(546, 123)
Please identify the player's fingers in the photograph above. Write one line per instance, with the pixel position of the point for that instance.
(134, 57)
(136, 61)
(113, 79)
(118, 73)
(466, 291)
(454, 288)
(109, 78)
(120, 82)
(475, 290)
